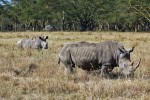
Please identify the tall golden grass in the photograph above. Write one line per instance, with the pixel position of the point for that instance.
(30, 74)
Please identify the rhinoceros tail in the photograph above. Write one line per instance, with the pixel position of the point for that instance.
(59, 61)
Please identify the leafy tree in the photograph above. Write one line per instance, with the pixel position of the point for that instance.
(104, 15)
(85, 12)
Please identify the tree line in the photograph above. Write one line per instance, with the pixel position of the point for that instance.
(75, 15)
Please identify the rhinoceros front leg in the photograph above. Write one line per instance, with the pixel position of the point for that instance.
(104, 71)
(68, 69)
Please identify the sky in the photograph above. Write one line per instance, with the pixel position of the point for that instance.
(8, 0)
(5, 0)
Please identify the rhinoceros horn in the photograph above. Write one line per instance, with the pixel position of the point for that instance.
(137, 65)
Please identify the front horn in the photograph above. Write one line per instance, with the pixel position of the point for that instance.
(137, 65)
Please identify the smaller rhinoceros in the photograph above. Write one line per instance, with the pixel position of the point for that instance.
(37, 43)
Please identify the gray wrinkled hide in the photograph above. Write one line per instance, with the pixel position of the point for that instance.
(38, 43)
(93, 56)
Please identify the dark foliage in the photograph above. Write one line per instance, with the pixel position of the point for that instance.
(75, 15)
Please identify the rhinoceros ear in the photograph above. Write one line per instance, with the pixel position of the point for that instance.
(131, 50)
(46, 37)
(120, 50)
(40, 38)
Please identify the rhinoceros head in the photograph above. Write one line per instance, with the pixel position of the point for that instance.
(44, 44)
(127, 67)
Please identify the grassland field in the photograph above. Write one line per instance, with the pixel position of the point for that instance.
(33, 75)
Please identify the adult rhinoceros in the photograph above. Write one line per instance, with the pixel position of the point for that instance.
(38, 43)
(92, 56)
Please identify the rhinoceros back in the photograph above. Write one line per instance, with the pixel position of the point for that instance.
(24, 43)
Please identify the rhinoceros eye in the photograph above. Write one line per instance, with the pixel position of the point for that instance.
(122, 55)
(125, 55)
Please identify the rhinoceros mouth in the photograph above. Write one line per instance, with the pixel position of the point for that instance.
(128, 72)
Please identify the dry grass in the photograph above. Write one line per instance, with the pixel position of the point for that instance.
(29, 74)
